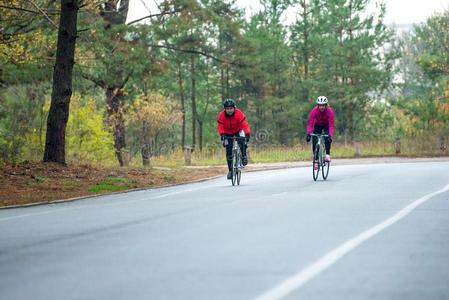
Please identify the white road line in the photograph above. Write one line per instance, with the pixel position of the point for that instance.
(297, 280)
(279, 194)
(30, 215)
(176, 193)
(116, 203)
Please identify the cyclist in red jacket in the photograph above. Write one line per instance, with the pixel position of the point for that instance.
(231, 122)
(321, 120)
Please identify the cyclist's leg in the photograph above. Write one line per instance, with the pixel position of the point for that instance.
(327, 141)
(314, 142)
(316, 130)
(242, 145)
(327, 144)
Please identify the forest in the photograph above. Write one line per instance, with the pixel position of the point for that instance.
(79, 83)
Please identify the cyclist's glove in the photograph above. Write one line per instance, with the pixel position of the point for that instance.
(222, 138)
(330, 139)
(308, 137)
(247, 138)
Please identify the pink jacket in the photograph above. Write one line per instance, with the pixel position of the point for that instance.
(321, 118)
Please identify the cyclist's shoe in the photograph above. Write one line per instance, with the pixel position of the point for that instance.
(244, 160)
(229, 175)
(315, 166)
(327, 158)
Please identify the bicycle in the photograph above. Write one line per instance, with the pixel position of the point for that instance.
(320, 151)
(237, 164)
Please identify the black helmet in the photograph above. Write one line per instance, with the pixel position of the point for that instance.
(228, 103)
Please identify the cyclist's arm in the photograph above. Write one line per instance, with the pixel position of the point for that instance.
(310, 121)
(220, 127)
(244, 124)
(245, 127)
(331, 123)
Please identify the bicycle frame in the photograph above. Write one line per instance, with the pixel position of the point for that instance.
(318, 157)
(237, 164)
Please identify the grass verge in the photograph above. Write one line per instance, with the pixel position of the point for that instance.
(111, 184)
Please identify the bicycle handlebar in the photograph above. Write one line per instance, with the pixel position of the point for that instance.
(318, 135)
(230, 137)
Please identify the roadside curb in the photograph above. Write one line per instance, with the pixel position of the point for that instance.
(106, 194)
(267, 167)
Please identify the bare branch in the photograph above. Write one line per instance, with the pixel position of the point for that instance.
(146, 7)
(97, 81)
(44, 13)
(90, 2)
(82, 30)
(157, 4)
(193, 51)
(154, 16)
(125, 81)
(19, 9)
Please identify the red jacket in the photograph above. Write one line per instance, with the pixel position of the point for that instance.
(232, 124)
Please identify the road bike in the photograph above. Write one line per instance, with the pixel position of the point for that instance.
(318, 157)
(237, 164)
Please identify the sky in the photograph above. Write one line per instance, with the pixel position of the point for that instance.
(412, 11)
(398, 11)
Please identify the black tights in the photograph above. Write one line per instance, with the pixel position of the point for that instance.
(242, 145)
(317, 129)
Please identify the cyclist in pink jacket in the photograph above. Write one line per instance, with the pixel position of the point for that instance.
(321, 121)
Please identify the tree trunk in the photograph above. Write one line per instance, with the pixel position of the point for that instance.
(203, 114)
(306, 49)
(227, 82)
(222, 85)
(116, 120)
(113, 15)
(114, 91)
(145, 151)
(200, 133)
(183, 107)
(222, 81)
(194, 116)
(62, 83)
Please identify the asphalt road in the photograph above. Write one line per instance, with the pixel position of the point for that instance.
(378, 231)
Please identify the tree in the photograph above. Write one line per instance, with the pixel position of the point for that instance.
(425, 65)
(346, 56)
(305, 33)
(20, 21)
(62, 83)
(124, 53)
(87, 139)
(195, 34)
(265, 79)
(115, 74)
(27, 41)
(154, 115)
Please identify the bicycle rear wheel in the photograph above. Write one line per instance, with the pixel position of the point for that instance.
(316, 161)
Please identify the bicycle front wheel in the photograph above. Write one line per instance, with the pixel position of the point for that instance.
(325, 169)
(239, 168)
(234, 168)
(316, 162)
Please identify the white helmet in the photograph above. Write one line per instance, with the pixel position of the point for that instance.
(321, 100)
